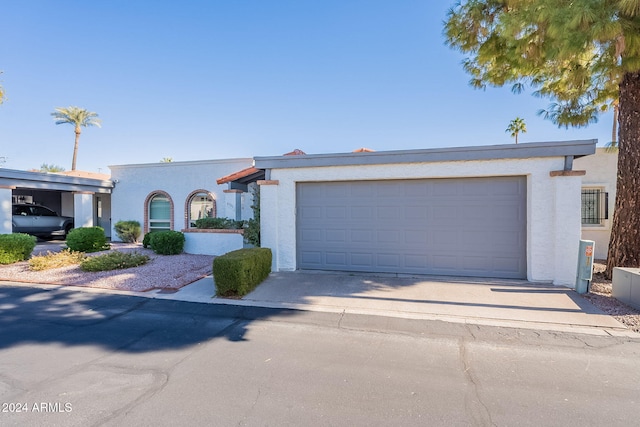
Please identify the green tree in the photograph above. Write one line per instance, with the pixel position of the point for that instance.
(79, 118)
(583, 55)
(166, 160)
(45, 167)
(516, 126)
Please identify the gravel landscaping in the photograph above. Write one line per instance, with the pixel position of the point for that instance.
(162, 272)
(600, 296)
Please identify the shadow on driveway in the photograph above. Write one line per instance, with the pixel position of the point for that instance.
(464, 299)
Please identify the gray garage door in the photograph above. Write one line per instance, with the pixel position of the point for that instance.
(459, 227)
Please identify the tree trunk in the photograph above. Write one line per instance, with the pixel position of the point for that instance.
(624, 246)
(75, 150)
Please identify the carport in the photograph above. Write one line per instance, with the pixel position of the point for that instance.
(84, 196)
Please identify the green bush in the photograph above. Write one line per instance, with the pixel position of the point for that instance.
(128, 231)
(219, 223)
(167, 242)
(252, 228)
(146, 240)
(87, 239)
(252, 232)
(239, 272)
(15, 247)
(113, 261)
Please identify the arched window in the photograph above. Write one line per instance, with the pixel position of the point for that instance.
(159, 208)
(200, 204)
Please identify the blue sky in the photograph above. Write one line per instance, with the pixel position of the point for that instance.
(214, 79)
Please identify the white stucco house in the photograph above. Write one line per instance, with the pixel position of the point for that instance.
(510, 211)
(507, 211)
(598, 197)
(172, 196)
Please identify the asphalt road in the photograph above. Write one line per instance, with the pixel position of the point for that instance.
(80, 359)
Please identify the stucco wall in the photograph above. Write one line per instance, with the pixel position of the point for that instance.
(601, 173)
(5, 208)
(553, 207)
(178, 179)
(212, 242)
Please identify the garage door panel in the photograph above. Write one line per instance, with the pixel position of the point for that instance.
(311, 235)
(336, 258)
(336, 212)
(361, 259)
(362, 236)
(311, 258)
(361, 213)
(473, 227)
(337, 192)
(336, 236)
(388, 236)
(310, 212)
(389, 261)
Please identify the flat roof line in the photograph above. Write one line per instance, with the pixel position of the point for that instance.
(576, 148)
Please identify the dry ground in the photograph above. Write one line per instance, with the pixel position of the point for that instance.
(600, 296)
(162, 272)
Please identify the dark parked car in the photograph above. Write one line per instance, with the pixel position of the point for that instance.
(39, 221)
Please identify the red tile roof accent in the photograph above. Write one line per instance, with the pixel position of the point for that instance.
(251, 170)
(363, 150)
(237, 175)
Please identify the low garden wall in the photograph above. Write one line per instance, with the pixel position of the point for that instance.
(212, 241)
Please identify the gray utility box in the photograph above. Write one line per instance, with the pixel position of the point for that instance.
(626, 286)
(585, 266)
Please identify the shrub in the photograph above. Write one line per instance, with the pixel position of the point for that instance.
(114, 261)
(252, 232)
(146, 240)
(15, 247)
(56, 260)
(239, 272)
(219, 223)
(167, 242)
(128, 231)
(87, 239)
(252, 228)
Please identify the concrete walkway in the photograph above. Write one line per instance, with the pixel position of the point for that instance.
(509, 303)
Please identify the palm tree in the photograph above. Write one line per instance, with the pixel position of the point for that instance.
(2, 95)
(79, 117)
(516, 126)
(612, 146)
(46, 167)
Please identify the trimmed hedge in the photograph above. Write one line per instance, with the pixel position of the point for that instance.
(16, 247)
(239, 272)
(128, 231)
(87, 239)
(167, 242)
